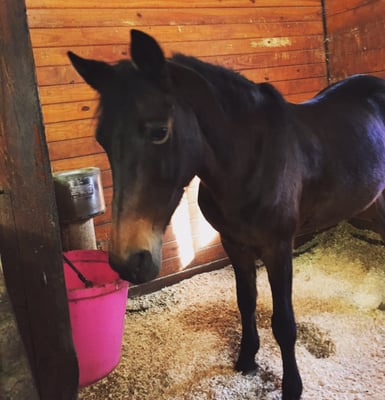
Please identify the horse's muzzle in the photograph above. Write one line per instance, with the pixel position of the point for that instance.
(139, 268)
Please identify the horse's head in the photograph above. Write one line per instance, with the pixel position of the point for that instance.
(140, 127)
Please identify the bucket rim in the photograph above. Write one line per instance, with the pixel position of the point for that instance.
(100, 289)
(97, 290)
(90, 171)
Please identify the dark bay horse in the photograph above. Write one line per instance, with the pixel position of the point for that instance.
(269, 169)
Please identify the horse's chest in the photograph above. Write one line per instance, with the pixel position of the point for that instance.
(229, 220)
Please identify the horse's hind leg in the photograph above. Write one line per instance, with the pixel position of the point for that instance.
(278, 261)
(243, 261)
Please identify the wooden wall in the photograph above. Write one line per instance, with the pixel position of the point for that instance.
(356, 37)
(280, 41)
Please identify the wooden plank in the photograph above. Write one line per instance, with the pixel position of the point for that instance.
(368, 12)
(301, 97)
(97, 17)
(92, 160)
(168, 280)
(16, 379)
(70, 111)
(358, 39)
(240, 62)
(29, 234)
(291, 72)
(65, 74)
(103, 232)
(107, 178)
(56, 75)
(340, 7)
(238, 46)
(74, 148)
(368, 62)
(70, 129)
(58, 56)
(85, 36)
(167, 3)
(208, 254)
(67, 93)
(301, 85)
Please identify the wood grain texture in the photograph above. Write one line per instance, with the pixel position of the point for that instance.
(29, 234)
(136, 4)
(356, 13)
(96, 17)
(50, 56)
(170, 33)
(356, 42)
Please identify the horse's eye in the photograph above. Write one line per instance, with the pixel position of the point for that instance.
(158, 132)
(159, 135)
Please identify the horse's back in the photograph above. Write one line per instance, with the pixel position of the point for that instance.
(352, 88)
(345, 106)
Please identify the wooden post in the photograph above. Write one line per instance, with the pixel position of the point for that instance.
(78, 235)
(29, 230)
(16, 381)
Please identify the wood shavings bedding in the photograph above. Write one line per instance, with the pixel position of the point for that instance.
(181, 343)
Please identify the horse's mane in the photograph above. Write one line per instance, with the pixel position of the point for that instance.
(235, 92)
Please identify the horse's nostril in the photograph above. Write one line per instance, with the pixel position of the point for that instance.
(140, 259)
(138, 268)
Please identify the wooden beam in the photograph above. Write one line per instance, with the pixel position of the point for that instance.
(29, 231)
(16, 380)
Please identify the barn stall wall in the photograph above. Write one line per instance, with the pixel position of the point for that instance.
(270, 40)
(356, 37)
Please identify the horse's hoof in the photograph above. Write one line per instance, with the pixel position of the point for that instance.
(292, 390)
(247, 367)
(291, 397)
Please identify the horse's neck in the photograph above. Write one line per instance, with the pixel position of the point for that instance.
(257, 144)
(235, 116)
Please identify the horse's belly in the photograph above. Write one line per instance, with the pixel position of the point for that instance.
(334, 209)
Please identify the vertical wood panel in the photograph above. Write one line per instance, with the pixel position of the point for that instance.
(29, 236)
(356, 37)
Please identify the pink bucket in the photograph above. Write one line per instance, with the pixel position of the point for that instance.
(97, 313)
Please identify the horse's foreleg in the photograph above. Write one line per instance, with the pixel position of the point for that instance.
(244, 267)
(380, 217)
(279, 267)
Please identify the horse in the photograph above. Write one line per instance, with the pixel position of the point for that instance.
(268, 169)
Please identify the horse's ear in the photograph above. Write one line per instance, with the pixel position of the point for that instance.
(97, 74)
(147, 54)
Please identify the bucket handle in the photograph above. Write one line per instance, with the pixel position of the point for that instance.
(87, 283)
